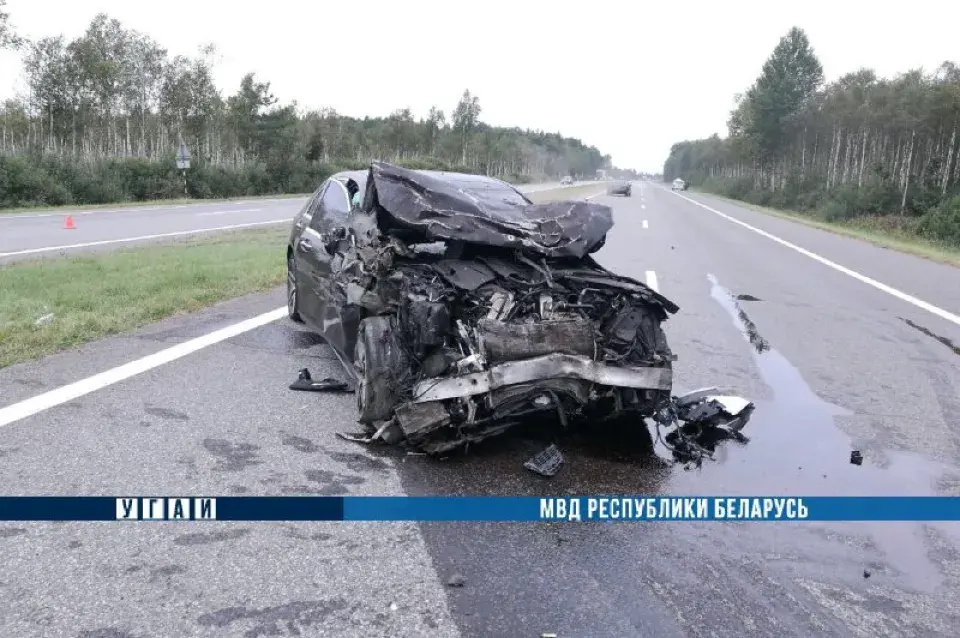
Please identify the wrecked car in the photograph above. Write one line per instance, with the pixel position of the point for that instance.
(458, 308)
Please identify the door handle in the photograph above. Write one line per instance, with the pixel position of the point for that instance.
(304, 245)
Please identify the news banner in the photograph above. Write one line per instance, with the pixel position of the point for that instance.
(479, 508)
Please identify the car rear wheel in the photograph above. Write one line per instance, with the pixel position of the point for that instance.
(293, 295)
(379, 361)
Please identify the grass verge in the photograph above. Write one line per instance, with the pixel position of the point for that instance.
(108, 293)
(149, 202)
(886, 231)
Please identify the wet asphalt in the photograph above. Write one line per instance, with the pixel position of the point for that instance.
(832, 364)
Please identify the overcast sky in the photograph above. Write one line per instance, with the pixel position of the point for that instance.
(629, 77)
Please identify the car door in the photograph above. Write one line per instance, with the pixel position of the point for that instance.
(318, 250)
(301, 266)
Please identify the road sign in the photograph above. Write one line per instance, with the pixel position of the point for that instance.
(183, 157)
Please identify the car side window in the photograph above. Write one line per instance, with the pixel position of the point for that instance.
(334, 203)
(315, 202)
(317, 217)
(306, 212)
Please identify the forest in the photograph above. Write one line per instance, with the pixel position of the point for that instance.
(103, 116)
(880, 152)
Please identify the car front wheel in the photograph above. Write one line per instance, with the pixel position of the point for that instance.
(380, 362)
(293, 295)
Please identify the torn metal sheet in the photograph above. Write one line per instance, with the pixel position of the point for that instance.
(481, 210)
(468, 275)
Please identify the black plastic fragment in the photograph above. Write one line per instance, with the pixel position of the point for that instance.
(305, 383)
(547, 462)
(856, 458)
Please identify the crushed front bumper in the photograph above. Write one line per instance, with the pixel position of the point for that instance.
(551, 366)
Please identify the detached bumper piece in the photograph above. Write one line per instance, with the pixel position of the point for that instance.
(692, 425)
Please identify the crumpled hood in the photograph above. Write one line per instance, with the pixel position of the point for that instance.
(483, 211)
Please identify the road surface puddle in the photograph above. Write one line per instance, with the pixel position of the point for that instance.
(796, 448)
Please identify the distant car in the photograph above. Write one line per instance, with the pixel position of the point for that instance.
(620, 187)
(566, 181)
(678, 185)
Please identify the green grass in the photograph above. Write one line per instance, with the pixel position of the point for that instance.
(886, 231)
(149, 202)
(109, 293)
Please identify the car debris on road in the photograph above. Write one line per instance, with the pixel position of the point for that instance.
(547, 462)
(460, 308)
(305, 383)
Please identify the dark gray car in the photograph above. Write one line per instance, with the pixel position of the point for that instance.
(620, 187)
(458, 307)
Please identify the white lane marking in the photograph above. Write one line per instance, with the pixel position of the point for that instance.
(61, 395)
(645, 224)
(652, 280)
(228, 212)
(919, 303)
(103, 242)
(644, 206)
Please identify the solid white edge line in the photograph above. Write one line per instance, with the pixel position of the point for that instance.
(919, 303)
(103, 242)
(652, 280)
(61, 395)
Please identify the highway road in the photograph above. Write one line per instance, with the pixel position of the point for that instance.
(28, 234)
(842, 345)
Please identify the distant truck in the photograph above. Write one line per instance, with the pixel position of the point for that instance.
(678, 185)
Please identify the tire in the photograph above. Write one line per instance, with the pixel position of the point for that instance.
(293, 294)
(379, 360)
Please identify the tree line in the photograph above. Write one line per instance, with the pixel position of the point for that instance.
(104, 114)
(860, 146)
